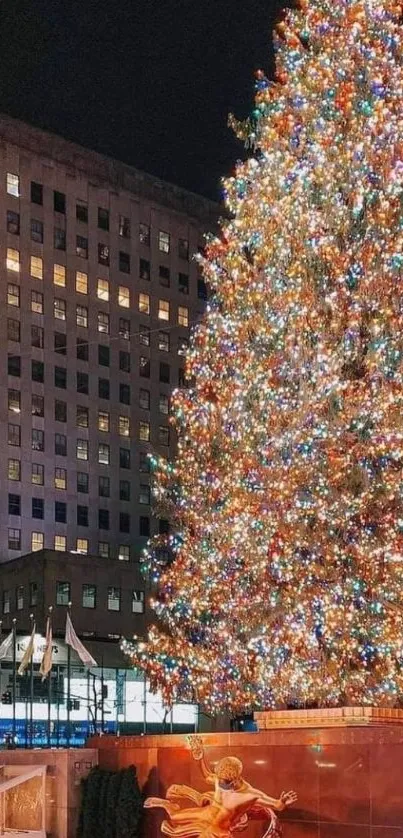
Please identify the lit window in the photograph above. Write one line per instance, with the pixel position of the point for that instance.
(183, 249)
(144, 431)
(124, 227)
(124, 426)
(163, 310)
(14, 469)
(103, 549)
(124, 553)
(163, 241)
(163, 404)
(124, 296)
(137, 602)
(183, 316)
(163, 435)
(144, 494)
(37, 302)
(144, 303)
(13, 185)
(82, 449)
(13, 260)
(36, 541)
(14, 543)
(103, 289)
(60, 543)
(60, 478)
(103, 323)
(14, 401)
(82, 316)
(163, 341)
(6, 602)
(36, 267)
(144, 234)
(89, 596)
(13, 295)
(62, 593)
(183, 345)
(103, 454)
(37, 474)
(103, 421)
(81, 282)
(59, 309)
(113, 599)
(82, 546)
(59, 275)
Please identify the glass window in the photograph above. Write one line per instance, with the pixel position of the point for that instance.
(103, 289)
(59, 238)
(182, 380)
(82, 349)
(59, 201)
(61, 445)
(82, 247)
(124, 262)
(82, 516)
(37, 541)
(81, 282)
(137, 602)
(124, 426)
(13, 223)
(82, 449)
(14, 435)
(124, 296)
(61, 377)
(103, 519)
(124, 361)
(183, 345)
(103, 218)
(14, 365)
(144, 335)
(103, 322)
(144, 303)
(14, 539)
(103, 388)
(183, 316)
(124, 457)
(144, 399)
(38, 507)
(14, 504)
(60, 478)
(82, 482)
(124, 553)
(183, 249)
(183, 284)
(124, 490)
(163, 435)
(33, 593)
(144, 463)
(36, 193)
(13, 330)
(145, 269)
(60, 343)
(163, 403)
(163, 341)
(82, 416)
(82, 211)
(165, 276)
(60, 543)
(164, 373)
(37, 336)
(36, 267)
(13, 260)
(103, 486)
(124, 393)
(163, 310)
(14, 401)
(201, 289)
(14, 469)
(63, 593)
(13, 184)
(144, 234)
(163, 241)
(103, 454)
(82, 316)
(103, 421)
(124, 328)
(144, 494)
(144, 431)
(36, 230)
(37, 302)
(103, 549)
(124, 227)
(6, 602)
(113, 599)
(13, 295)
(124, 522)
(59, 309)
(103, 355)
(103, 254)
(60, 512)
(89, 596)
(37, 405)
(144, 367)
(19, 597)
(82, 546)
(59, 275)
(38, 440)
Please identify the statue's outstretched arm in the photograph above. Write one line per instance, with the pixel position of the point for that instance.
(287, 798)
(197, 749)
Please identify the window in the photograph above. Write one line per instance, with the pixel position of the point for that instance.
(164, 373)
(13, 260)
(103, 219)
(82, 546)
(144, 234)
(103, 388)
(14, 469)
(14, 435)
(163, 435)
(82, 247)
(13, 223)
(61, 377)
(124, 393)
(6, 602)
(103, 254)
(103, 322)
(183, 345)
(183, 284)
(144, 335)
(82, 382)
(81, 282)
(82, 416)
(103, 549)
(144, 463)
(60, 343)
(124, 328)
(163, 404)
(103, 519)
(82, 482)
(124, 490)
(82, 316)
(182, 381)
(14, 539)
(124, 553)
(59, 275)
(63, 593)
(124, 361)
(103, 487)
(124, 227)
(124, 522)
(124, 262)
(60, 543)
(124, 457)
(14, 365)
(82, 516)
(37, 302)
(36, 193)
(14, 401)
(163, 341)
(38, 440)
(144, 494)
(59, 201)
(183, 316)
(103, 355)
(144, 368)
(82, 211)
(124, 296)
(82, 349)
(165, 276)
(19, 597)
(103, 453)
(124, 426)
(13, 295)
(144, 431)
(60, 478)
(13, 185)
(82, 449)
(59, 238)
(37, 405)
(61, 445)
(36, 230)
(201, 289)
(59, 309)
(89, 596)
(163, 526)
(144, 399)
(137, 602)
(38, 371)
(163, 241)
(103, 421)
(145, 269)
(183, 249)
(60, 512)
(103, 289)
(14, 504)
(37, 508)
(144, 303)
(163, 310)
(33, 593)
(113, 599)
(37, 336)
(13, 330)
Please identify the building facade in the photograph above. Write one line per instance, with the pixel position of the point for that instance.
(98, 292)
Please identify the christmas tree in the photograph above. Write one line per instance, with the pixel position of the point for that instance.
(282, 579)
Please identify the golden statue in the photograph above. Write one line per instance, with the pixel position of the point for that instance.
(227, 809)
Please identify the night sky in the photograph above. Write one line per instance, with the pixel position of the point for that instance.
(149, 82)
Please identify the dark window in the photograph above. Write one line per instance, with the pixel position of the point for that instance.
(82, 516)
(103, 388)
(144, 494)
(61, 377)
(124, 361)
(13, 222)
(144, 335)
(144, 269)
(82, 212)
(144, 399)
(144, 234)
(37, 371)
(144, 367)
(37, 507)
(164, 373)
(14, 505)
(163, 435)
(59, 201)
(14, 435)
(103, 254)
(13, 330)
(144, 526)
(183, 345)
(36, 230)
(103, 519)
(37, 336)
(59, 238)
(201, 289)
(37, 405)
(14, 365)
(14, 401)
(82, 382)
(61, 445)
(60, 343)
(62, 593)
(124, 262)
(82, 247)
(33, 594)
(103, 219)
(124, 522)
(104, 487)
(144, 463)
(60, 411)
(38, 440)
(124, 393)
(124, 227)
(36, 193)
(163, 341)
(103, 355)
(183, 248)
(124, 328)
(82, 482)
(82, 416)
(124, 457)
(60, 512)
(182, 382)
(163, 526)
(82, 349)
(124, 490)
(165, 276)
(183, 283)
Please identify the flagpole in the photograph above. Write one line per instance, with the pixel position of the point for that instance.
(14, 678)
(50, 689)
(68, 682)
(31, 693)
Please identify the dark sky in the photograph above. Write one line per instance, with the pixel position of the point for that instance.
(149, 82)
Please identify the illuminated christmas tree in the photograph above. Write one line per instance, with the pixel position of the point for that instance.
(284, 579)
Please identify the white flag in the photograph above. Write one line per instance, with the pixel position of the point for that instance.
(29, 651)
(6, 646)
(73, 641)
(46, 662)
